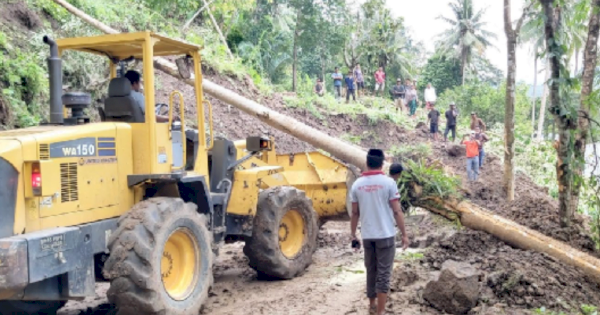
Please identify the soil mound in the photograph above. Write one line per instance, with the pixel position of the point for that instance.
(517, 278)
(17, 13)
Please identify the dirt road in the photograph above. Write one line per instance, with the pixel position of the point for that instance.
(333, 284)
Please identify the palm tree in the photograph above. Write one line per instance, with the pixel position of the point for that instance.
(466, 34)
(384, 42)
(573, 30)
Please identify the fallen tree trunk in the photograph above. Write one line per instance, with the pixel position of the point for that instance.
(469, 214)
(477, 218)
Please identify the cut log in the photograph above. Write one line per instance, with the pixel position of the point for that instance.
(469, 214)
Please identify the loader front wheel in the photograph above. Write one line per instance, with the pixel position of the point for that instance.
(284, 233)
(160, 259)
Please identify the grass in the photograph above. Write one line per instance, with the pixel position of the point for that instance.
(23, 83)
(410, 256)
(415, 152)
(584, 309)
(351, 138)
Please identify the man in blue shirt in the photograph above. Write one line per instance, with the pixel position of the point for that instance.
(350, 89)
(337, 83)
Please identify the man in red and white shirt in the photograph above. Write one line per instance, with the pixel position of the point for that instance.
(376, 202)
(379, 81)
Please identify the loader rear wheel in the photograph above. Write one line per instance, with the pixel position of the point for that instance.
(284, 233)
(160, 259)
(30, 307)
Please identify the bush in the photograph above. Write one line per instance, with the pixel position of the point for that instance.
(489, 104)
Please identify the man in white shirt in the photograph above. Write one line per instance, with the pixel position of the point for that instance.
(430, 96)
(376, 202)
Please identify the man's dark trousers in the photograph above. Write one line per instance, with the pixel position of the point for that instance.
(448, 128)
(379, 262)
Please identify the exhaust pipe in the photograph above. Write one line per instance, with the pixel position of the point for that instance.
(55, 74)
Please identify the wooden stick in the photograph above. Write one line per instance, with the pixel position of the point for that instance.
(187, 24)
(212, 18)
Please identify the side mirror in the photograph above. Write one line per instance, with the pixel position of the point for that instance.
(257, 144)
(183, 66)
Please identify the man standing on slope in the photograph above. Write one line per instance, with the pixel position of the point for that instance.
(398, 92)
(350, 89)
(376, 202)
(379, 81)
(472, 156)
(430, 96)
(476, 122)
(451, 115)
(360, 81)
(432, 118)
(482, 138)
(337, 83)
(411, 98)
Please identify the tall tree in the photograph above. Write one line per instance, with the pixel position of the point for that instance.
(560, 110)
(512, 35)
(590, 60)
(573, 31)
(534, 92)
(466, 34)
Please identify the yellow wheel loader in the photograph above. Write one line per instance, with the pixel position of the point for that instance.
(146, 205)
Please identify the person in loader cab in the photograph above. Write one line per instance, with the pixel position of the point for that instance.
(135, 78)
(376, 203)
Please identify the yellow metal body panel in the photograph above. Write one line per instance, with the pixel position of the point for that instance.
(322, 178)
(84, 173)
(125, 45)
(246, 187)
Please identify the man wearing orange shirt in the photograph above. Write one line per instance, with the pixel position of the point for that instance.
(472, 156)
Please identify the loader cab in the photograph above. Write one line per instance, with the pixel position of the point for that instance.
(158, 148)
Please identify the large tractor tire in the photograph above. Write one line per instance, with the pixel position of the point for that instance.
(30, 307)
(160, 259)
(284, 233)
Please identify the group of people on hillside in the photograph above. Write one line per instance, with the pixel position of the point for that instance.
(405, 95)
(354, 83)
(474, 141)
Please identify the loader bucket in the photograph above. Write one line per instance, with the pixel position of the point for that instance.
(326, 181)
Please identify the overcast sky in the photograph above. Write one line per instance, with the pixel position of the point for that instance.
(420, 17)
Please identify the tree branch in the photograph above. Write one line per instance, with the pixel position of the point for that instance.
(187, 24)
(521, 20)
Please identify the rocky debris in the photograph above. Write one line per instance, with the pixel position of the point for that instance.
(518, 278)
(456, 150)
(456, 290)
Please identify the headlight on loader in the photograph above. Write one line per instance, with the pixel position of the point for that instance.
(257, 144)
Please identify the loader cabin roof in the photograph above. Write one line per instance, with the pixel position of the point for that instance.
(127, 45)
